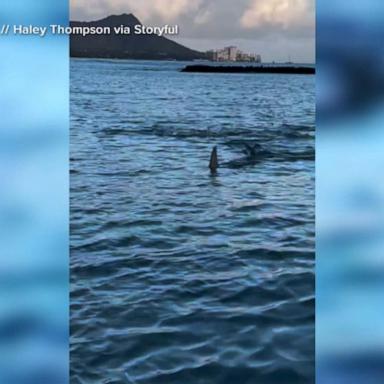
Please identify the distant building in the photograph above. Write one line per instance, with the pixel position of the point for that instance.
(232, 53)
(222, 55)
(212, 55)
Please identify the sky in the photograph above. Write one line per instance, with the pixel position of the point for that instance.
(278, 30)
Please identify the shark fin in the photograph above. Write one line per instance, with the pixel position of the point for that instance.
(213, 163)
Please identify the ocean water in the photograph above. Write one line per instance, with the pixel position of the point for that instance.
(178, 275)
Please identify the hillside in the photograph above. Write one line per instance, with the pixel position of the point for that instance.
(148, 47)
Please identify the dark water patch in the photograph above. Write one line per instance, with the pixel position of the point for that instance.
(275, 69)
(102, 244)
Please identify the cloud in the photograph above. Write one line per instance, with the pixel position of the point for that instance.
(222, 14)
(253, 25)
(167, 10)
(203, 17)
(283, 14)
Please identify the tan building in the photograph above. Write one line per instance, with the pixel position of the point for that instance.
(232, 53)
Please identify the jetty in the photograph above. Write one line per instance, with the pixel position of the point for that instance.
(294, 70)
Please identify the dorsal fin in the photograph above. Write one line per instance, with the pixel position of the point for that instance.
(213, 163)
(251, 150)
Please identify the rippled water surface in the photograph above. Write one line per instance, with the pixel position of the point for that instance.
(179, 276)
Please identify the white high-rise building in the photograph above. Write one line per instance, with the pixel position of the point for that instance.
(232, 53)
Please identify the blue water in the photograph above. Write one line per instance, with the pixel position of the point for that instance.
(177, 275)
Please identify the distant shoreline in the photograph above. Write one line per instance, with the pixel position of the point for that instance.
(281, 69)
(170, 60)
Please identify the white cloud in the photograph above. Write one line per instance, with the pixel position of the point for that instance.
(279, 13)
